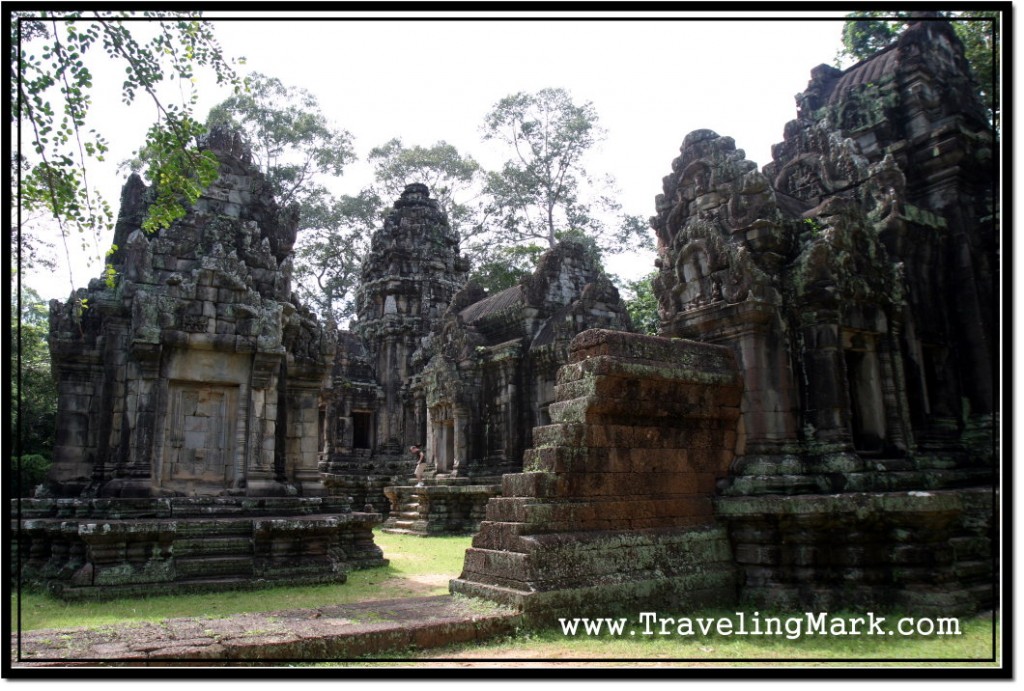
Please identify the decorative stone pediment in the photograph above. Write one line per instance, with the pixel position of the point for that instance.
(711, 180)
(702, 268)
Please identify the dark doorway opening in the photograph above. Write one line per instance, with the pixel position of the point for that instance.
(362, 430)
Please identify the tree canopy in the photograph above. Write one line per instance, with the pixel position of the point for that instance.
(298, 149)
(292, 141)
(544, 190)
(642, 305)
(542, 193)
(450, 175)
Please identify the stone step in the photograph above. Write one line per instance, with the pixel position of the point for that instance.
(974, 570)
(984, 594)
(971, 547)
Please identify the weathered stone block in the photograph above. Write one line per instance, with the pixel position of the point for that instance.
(619, 492)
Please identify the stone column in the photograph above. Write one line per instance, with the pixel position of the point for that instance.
(248, 403)
(459, 429)
(897, 409)
(259, 472)
(301, 446)
(147, 394)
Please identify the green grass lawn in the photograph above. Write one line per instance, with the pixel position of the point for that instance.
(418, 567)
(423, 566)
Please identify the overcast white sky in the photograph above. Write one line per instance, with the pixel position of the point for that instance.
(651, 79)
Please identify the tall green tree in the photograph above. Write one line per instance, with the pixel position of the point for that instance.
(642, 305)
(453, 178)
(50, 57)
(330, 252)
(294, 144)
(33, 391)
(497, 267)
(544, 191)
(300, 151)
(868, 31)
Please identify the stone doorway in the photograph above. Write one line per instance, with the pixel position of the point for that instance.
(199, 437)
(362, 430)
(867, 408)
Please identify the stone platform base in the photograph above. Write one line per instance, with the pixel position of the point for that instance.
(98, 548)
(365, 491)
(600, 573)
(926, 552)
(438, 508)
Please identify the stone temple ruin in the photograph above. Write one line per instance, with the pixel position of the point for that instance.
(814, 427)
(213, 433)
(186, 451)
(433, 360)
(840, 404)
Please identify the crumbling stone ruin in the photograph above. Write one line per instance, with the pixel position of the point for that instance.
(435, 361)
(870, 374)
(613, 509)
(213, 432)
(814, 428)
(489, 380)
(373, 415)
(186, 450)
(853, 279)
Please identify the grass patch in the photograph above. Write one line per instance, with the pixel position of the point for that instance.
(418, 567)
(973, 645)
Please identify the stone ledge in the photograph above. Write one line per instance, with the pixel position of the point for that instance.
(333, 633)
(867, 503)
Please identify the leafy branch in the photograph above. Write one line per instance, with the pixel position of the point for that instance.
(54, 99)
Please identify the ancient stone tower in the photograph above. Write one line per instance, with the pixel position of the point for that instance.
(489, 379)
(853, 276)
(435, 361)
(409, 277)
(186, 452)
(198, 372)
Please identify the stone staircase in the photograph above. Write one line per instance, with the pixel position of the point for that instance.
(407, 520)
(443, 506)
(224, 555)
